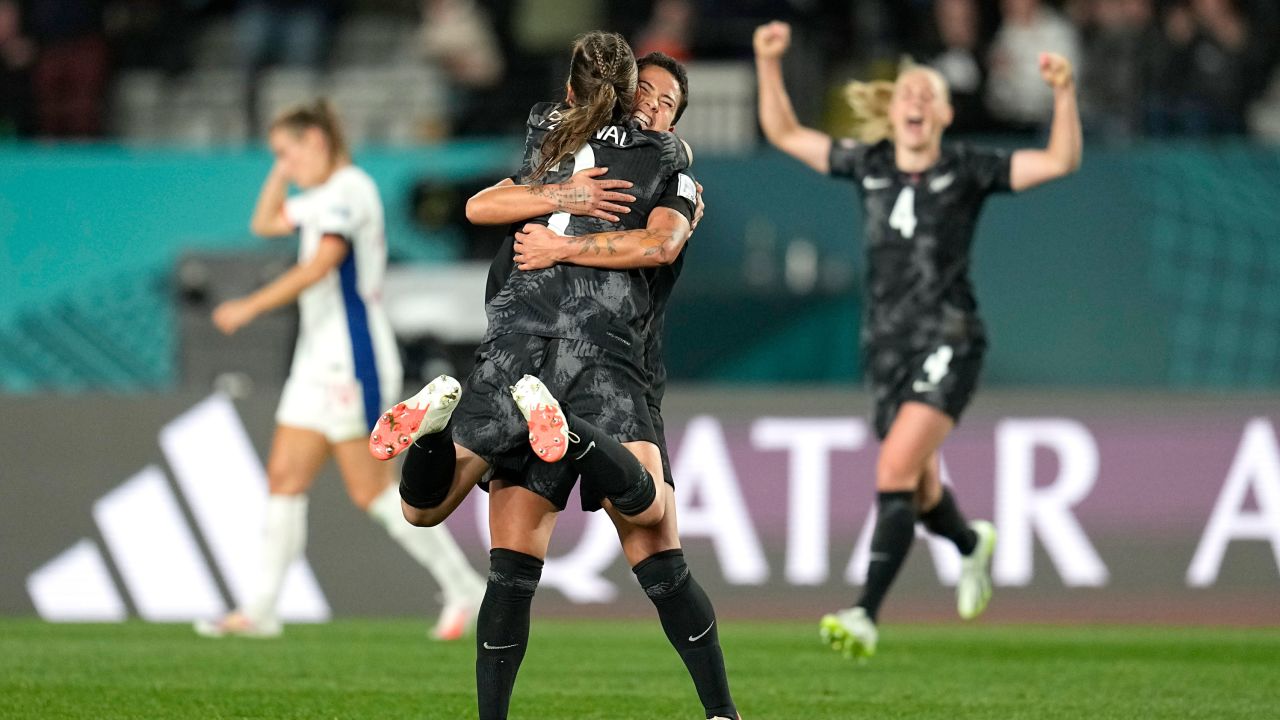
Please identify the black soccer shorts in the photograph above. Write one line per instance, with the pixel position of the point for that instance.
(601, 387)
(944, 377)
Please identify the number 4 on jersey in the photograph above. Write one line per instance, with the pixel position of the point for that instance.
(903, 216)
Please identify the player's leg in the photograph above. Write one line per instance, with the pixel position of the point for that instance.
(421, 479)
(296, 457)
(437, 473)
(976, 539)
(618, 472)
(913, 439)
(371, 489)
(916, 432)
(520, 523)
(684, 609)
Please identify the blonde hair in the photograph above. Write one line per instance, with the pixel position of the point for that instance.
(603, 77)
(322, 116)
(870, 100)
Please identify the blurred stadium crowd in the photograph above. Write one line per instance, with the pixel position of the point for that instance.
(405, 71)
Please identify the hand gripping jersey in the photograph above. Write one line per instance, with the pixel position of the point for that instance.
(344, 337)
(919, 229)
(608, 308)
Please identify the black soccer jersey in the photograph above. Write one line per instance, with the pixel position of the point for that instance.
(662, 280)
(609, 308)
(919, 230)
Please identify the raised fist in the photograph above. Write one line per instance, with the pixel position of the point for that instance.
(772, 39)
(1056, 70)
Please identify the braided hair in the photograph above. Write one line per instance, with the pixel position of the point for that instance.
(602, 75)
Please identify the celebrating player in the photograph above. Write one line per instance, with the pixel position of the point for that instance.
(604, 363)
(345, 366)
(922, 339)
(654, 553)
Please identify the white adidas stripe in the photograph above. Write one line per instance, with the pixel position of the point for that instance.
(154, 548)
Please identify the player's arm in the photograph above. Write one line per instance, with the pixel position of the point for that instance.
(659, 243)
(777, 117)
(1066, 145)
(269, 219)
(232, 315)
(585, 193)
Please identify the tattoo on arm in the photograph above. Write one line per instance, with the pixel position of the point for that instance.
(567, 199)
(600, 243)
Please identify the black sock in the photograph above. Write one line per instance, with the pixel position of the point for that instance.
(427, 472)
(502, 630)
(895, 530)
(690, 624)
(611, 467)
(946, 521)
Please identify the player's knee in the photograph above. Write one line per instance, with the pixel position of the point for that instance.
(284, 480)
(644, 504)
(896, 474)
(513, 576)
(662, 575)
(363, 497)
(651, 516)
(422, 517)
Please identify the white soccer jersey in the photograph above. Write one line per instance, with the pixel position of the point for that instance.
(346, 348)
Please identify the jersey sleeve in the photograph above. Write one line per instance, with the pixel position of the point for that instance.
(680, 194)
(991, 169)
(298, 210)
(673, 155)
(339, 212)
(848, 159)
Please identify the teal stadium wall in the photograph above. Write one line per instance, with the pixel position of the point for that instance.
(1154, 267)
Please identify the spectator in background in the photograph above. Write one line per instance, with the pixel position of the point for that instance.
(1016, 95)
(669, 31)
(294, 33)
(1118, 37)
(459, 36)
(289, 32)
(17, 53)
(71, 72)
(149, 33)
(1204, 68)
(959, 60)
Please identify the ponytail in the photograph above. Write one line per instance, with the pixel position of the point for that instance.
(870, 104)
(602, 75)
(322, 116)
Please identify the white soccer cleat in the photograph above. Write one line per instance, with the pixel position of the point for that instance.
(850, 632)
(424, 413)
(548, 429)
(457, 618)
(973, 592)
(238, 624)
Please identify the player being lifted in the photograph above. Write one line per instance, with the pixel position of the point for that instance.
(922, 339)
(582, 330)
(654, 552)
(346, 366)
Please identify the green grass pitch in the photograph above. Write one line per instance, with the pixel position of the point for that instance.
(599, 669)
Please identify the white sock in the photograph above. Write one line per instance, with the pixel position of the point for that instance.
(433, 548)
(284, 538)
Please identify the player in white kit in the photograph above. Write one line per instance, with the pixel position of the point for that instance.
(346, 367)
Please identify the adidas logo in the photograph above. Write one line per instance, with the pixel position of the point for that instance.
(155, 551)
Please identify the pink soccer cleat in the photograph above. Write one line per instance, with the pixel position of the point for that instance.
(548, 430)
(424, 413)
